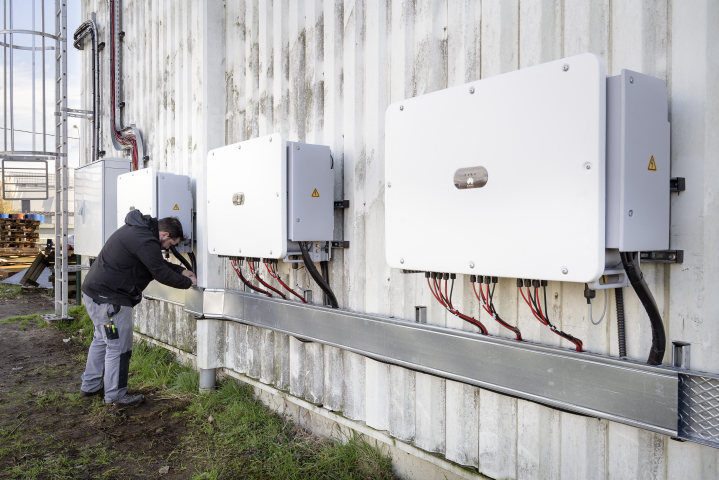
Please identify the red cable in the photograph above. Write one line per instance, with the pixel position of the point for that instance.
(481, 300)
(530, 306)
(257, 276)
(238, 271)
(454, 311)
(129, 140)
(509, 327)
(277, 277)
(445, 292)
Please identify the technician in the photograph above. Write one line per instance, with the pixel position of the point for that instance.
(130, 259)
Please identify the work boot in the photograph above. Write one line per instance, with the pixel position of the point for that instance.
(129, 400)
(100, 391)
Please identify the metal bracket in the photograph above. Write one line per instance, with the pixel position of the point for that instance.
(681, 354)
(73, 112)
(615, 278)
(420, 314)
(340, 244)
(677, 184)
(662, 256)
(342, 204)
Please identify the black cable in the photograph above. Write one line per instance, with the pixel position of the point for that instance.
(182, 259)
(325, 267)
(193, 260)
(451, 291)
(546, 312)
(312, 270)
(636, 278)
(619, 296)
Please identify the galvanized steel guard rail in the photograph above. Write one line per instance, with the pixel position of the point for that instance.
(670, 401)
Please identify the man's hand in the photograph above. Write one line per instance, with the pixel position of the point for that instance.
(191, 276)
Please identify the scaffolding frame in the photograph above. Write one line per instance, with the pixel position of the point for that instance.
(59, 153)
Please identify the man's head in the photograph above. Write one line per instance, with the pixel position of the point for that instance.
(170, 230)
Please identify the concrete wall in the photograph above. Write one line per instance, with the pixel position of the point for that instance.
(198, 74)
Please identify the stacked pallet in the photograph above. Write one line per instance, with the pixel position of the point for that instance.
(19, 236)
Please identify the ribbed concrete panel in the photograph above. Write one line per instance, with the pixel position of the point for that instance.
(323, 71)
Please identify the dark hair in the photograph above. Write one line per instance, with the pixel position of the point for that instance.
(172, 226)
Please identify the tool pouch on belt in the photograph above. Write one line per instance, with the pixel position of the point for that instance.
(111, 332)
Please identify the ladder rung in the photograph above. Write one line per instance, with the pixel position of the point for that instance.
(58, 80)
(58, 13)
(58, 57)
(58, 102)
(59, 124)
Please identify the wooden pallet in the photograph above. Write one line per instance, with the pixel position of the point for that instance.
(5, 251)
(18, 222)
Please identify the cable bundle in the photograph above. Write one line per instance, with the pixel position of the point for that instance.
(273, 273)
(539, 314)
(238, 270)
(488, 303)
(446, 300)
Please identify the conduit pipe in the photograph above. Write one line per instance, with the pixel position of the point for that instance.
(89, 28)
(636, 278)
(128, 137)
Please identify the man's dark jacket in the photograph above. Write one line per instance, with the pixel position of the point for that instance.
(128, 262)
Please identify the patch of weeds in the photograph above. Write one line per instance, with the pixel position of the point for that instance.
(81, 325)
(9, 291)
(246, 438)
(26, 320)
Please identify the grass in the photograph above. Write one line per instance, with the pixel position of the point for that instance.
(25, 320)
(228, 434)
(9, 291)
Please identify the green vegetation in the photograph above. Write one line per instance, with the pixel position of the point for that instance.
(9, 291)
(228, 434)
(25, 320)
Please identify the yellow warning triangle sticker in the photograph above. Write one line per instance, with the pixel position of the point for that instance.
(175, 207)
(315, 193)
(652, 165)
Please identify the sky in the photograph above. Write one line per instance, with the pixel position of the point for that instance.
(22, 18)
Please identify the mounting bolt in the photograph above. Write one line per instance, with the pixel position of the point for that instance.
(298, 147)
(270, 139)
(565, 67)
(588, 167)
(565, 270)
(401, 260)
(121, 104)
(270, 252)
(631, 79)
(213, 249)
(471, 89)
(277, 194)
(298, 220)
(213, 154)
(471, 264)
(389, 185)
(631, 212)
(239, 147)
(401, 107)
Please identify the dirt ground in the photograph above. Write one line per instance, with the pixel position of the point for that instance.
(31, 301)
(39, 398)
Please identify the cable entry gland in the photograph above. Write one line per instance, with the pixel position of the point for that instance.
(160, 195)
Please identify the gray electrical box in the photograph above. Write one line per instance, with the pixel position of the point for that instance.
(310, 193)
(638, 168)
(96, 203)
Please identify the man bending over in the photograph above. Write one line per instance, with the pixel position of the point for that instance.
(131, 258)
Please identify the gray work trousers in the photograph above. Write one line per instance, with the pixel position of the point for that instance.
(108, 358)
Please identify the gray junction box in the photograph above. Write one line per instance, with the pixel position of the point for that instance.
(310, 193)
(638, 165)
(96, 203)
